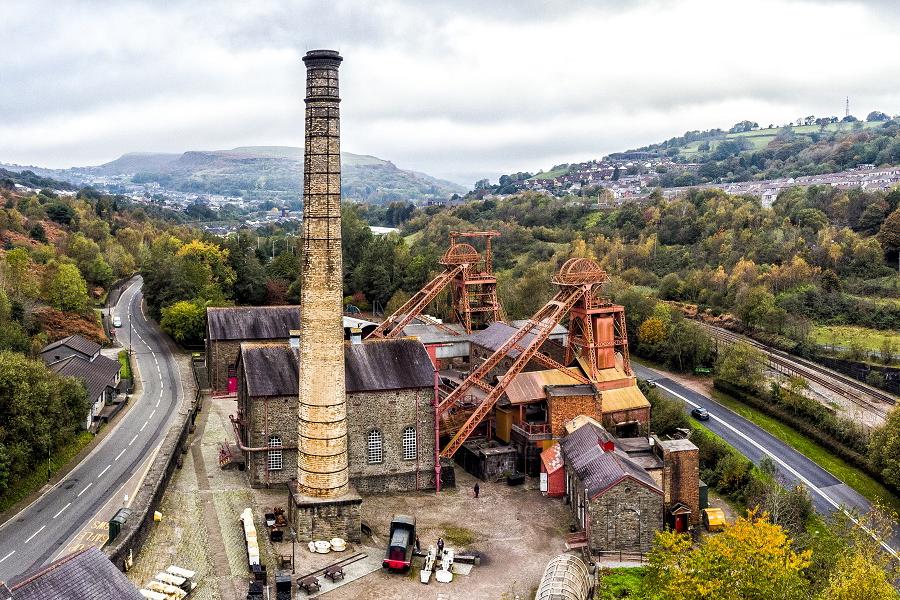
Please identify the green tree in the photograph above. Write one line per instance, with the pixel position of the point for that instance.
(652, 332)
(741, 365)
(19, 275)
(751, 560)
(688, 346)
(184, 321)
(67, 289)
(884, 449)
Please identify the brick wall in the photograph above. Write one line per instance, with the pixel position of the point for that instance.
(565, 408)
(640, 415)
(681, 478)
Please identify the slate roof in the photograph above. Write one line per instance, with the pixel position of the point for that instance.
(75, 342)
(260, 322)
(78, 576)
(597, 469)
(251, 322)
(529, 386)
(376, 365)
(496, 335)
(97, 374)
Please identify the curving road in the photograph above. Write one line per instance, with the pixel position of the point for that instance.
(828, 493)
(46, 527)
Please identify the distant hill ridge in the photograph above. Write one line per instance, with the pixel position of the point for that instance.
(263, 171)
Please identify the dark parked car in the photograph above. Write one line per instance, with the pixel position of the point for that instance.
(701, 414)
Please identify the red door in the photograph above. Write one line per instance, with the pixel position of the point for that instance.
(680, 523)
(232, 385)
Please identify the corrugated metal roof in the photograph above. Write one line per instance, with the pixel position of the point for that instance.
(97, 374)
(377, 365)
(627, 398)
(529, 387)
(552, 458)
(599, 470)
(565, 578)
(75, 342)
(84, 574)
(260, 322)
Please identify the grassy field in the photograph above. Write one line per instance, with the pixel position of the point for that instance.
(843, 335)
(552, 173)
(856, 479)
(38, 477)
(760, 138)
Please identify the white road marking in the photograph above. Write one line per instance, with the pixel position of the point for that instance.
(7, 556)
(103, 471)
(144, 425)
(120, 454)
(31, 537)
(157, 402)
(132, 440)
(62, 509)
(84, 490)
(788, 468)
(152, 412)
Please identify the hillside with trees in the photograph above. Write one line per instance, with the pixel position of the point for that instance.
(59, 255)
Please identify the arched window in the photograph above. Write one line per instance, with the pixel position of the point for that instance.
(276, 460)
(409, 443)
(375, 447)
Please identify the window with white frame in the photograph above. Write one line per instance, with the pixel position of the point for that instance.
(276, 460)
(375, 447)
(409, 443)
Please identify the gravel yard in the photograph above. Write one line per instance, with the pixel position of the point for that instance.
(515, 528)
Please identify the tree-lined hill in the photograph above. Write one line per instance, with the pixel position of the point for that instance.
(263, 171)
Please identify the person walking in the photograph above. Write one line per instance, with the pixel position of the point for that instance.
(476, 489)
(440, 546)
(417, 544)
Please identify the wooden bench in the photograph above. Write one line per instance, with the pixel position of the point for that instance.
(309, 584)
(334, 573)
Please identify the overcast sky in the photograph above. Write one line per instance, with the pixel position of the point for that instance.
(459, 90)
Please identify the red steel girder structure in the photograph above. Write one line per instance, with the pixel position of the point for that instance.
(589, 342)
(576, 280)
(474, 289)
(393, 326)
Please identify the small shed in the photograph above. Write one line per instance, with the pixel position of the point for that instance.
(714, 519)
(553, 472)
(565, 578)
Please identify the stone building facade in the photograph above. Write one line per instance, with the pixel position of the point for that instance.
(390, 414)
(614, 500)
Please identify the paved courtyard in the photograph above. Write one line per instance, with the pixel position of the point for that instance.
(515, 528)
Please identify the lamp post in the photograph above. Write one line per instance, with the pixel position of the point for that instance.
(48, 460)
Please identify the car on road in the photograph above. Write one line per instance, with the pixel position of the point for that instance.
(651, 383)
(117, 321)
(701, 414)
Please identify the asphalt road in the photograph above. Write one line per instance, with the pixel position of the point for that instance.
(828, 493)
(38, 533)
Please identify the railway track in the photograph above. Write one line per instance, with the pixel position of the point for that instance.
(848, 388)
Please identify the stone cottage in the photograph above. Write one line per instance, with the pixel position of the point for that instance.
(616, 502)
(390, 414)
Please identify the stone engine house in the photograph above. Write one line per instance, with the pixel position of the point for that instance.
(390, 414)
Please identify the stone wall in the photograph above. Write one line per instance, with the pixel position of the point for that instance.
(219, 356)
(626, 518)
(149, 496)
(389, 412)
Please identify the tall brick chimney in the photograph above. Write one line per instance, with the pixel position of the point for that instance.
(322, 470)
